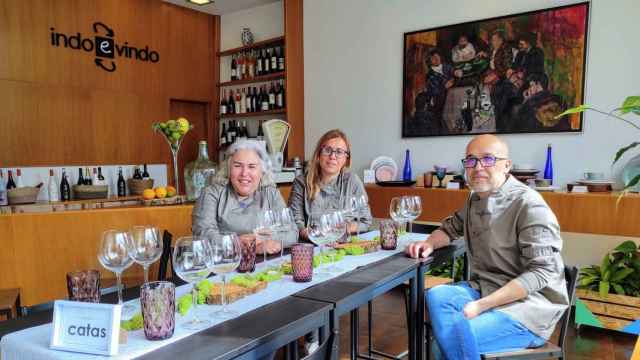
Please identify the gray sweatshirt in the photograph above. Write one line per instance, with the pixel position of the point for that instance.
(513, 234)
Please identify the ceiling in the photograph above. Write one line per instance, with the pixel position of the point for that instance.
(221, 7)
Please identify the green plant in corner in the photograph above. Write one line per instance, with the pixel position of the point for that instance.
(631, 105)
(618, 272)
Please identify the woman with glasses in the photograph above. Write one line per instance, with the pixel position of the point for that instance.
(242, 189)
(327, 184)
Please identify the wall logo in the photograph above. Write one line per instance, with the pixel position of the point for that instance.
(105, 47)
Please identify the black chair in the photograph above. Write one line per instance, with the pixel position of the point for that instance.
(548, 350)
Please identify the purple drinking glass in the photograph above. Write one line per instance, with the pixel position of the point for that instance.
(84, 286)
(388, 235)
(247, 255)
(158, 303)
(302, 262)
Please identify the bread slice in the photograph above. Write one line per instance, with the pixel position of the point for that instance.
(367, 245)
(232, 292)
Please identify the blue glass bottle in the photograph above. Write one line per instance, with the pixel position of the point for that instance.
(406, 173)
(548, 166)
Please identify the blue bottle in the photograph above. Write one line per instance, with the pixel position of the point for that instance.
(406, 173)
(548, 166)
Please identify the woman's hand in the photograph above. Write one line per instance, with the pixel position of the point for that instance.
(271, 246)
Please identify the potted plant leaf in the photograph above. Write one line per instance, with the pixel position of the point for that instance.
(609, 293)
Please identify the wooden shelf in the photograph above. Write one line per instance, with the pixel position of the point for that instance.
(256, 45)
(257, 79)
(253, 114)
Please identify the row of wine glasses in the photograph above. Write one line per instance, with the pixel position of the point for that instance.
(324, 229)
(274, 224)
(194, 258)
(120, 249)
(405, 209)
(355, 209)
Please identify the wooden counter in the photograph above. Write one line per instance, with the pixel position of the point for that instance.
(593, 213)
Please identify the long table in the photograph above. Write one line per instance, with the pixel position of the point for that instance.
(278, 322)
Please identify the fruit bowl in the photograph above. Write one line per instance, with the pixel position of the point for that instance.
(173, 132)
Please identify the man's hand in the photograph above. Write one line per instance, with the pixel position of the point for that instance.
(271, 246)
(472, 310)
(449, 84)
(419, 249)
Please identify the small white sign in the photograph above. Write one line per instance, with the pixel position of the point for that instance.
(453, 185)
(580, 189)
(85, 327)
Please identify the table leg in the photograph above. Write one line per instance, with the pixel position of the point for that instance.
(419, 313)
(354, 333)
(370, 325)
(335, 329)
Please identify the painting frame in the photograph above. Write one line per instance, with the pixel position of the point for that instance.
(473, 92)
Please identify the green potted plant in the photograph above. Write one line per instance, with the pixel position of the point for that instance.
(609, 293)
(631, 105)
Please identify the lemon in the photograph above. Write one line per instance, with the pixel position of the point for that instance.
(161, 192)
(171, 191)
(183, 125)
(148, 194)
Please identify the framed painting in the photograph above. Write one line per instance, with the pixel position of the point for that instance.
(510, 74)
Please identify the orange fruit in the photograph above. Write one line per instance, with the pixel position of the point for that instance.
(161, 192)
(148, 194)
(171, 191)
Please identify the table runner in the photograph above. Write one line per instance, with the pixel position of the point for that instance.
(33, 343)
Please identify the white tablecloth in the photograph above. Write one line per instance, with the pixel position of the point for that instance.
(33, 343)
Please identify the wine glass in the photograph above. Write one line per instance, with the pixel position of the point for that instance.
(226, 258)
(267, 222)
(441, 173)
(145, 247)
(318, 231)
(414, 209)
(356, 207)
(113, 254)
(192, 262)
(337, 229)
(285, 224)
(398, 209)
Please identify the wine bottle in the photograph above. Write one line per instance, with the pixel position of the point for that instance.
(237, 101)
(272, 98)
(10, 183)
(231, 106)
(100, 177)
(548, 166)
(245, 132)
(267, 62)
(251, 65)
(52, 187)
(258, 63)
(265, 99)
(80, 177)
(122, 186)
(243, 102)
(274, 61)
(19, 182)
(254, 100)
(136, 173)
(3, 191)
(281, 59)
(260, 135)
(279, 97)
(94, 176)
(87, 177)
(65, 189)
(234, 68)
(145, 173)
(406, 172)
(223, 135)
(223, 103)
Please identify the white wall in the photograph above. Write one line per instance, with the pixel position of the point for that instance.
(353, 80)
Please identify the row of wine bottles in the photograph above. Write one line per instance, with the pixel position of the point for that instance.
(62, 191)
(250, 100)
(228, 135)
(249, 64)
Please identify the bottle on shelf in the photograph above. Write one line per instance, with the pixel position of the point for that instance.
(223, 103)
(260, 135)
(11, 184)
(548, 166)
(243, 102)
(52, 187)
(121, 185)
(237, 102)
(272, 98)
(80, 177)
(248, 101)
(264, 102)
(234, 68)
(251, 65)
(266, 62)
(259, 71)
(145, 173)
(406, 172)
(223, 135)
(254, 100)
(274, 61)
(19, 182)
(136, 173)
(245, 132)
(87, 177)
(232, 133)
(231, 106)
(281, 59)
(3, 191)
(65, 189)
(279, 96)
(101, 180)
(94, 176)
(199, 173)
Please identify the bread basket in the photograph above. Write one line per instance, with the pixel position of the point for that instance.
(87, 192)
(137, 186)
(23, 195)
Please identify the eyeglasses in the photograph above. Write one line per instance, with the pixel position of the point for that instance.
(328, 150)
(486, 161)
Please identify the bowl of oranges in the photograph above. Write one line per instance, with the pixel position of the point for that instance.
(161, 195)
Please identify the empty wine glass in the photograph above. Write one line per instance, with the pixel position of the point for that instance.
(398, 209)
(356, 208)
(226, 258)
(441, 173)
(285, 225)
(318, 231)
(267, 222)
(145, 247)
(337, 227)
(414, 209)
(113, 254)
(192, 262)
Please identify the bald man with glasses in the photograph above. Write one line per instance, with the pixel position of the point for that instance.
(517, 292)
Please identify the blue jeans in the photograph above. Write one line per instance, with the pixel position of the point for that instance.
(460, 338)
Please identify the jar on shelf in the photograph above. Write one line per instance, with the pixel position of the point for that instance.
(247, 37)
(199, 173)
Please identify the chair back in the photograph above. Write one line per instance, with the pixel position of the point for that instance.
(324, 350)
(571, 277)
